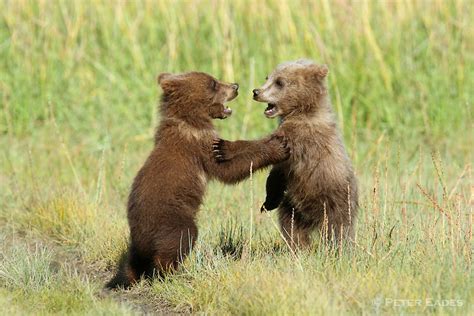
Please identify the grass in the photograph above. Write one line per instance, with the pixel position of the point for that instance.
(33, 282)
(79, 95)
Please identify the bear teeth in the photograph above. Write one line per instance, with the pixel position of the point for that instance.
(270, 110)
(227, 110)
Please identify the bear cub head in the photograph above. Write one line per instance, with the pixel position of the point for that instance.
(293, 88)
(196, 96)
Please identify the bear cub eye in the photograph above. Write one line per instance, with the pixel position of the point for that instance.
(279, 83)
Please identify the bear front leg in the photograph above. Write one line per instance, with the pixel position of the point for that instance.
(225, 150)
(231, 161)
(275, 186)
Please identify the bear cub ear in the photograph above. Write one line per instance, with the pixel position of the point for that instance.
(163, 76)
(167, 81)
(323, 71)
(318, 72)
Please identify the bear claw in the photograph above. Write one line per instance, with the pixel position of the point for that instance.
(217, 150)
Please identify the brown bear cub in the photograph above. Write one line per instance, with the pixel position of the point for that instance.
(169, 188)
(316, 187)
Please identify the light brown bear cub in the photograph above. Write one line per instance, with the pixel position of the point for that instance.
(316, 187)
(169, 188)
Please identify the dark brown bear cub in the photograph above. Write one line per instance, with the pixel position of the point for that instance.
(316, 187)
(169, 188)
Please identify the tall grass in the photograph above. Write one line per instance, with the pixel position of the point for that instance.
(78, 93)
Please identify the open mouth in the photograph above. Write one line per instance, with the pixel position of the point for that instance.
(226, 112)
(271, 110)
(219, 111)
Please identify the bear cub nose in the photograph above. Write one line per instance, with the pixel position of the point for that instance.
(235, 86)
(255, 92)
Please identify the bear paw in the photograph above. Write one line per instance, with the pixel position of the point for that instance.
(219, 150)
(269, 206)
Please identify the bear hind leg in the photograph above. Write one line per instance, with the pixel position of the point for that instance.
(295, 231)
(173, 248)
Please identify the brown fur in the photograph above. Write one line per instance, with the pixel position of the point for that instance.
(169, 188)
(316, 187)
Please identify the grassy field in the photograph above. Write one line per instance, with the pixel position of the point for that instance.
(78, 110)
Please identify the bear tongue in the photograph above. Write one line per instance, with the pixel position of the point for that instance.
(228, 111)
(270, 110)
